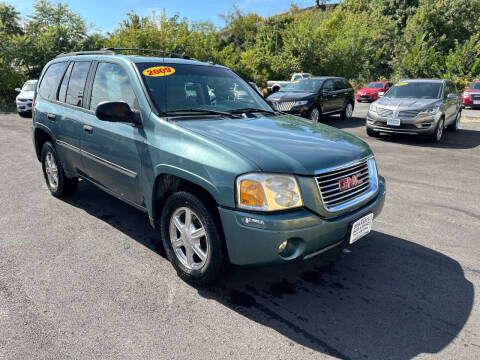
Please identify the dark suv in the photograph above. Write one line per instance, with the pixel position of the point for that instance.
(311, 98)
(222, 176)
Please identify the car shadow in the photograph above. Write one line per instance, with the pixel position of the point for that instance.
(460, 139)
(388, 298)
(339, 123)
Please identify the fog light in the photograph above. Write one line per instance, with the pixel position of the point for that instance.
(282, 246)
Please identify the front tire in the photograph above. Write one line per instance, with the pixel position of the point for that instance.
(192, 239)
(371, 132)
(57, 182)
(314, 114)
(437, 136)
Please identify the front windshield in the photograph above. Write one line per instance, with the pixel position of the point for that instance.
(374, 86)
(176, 87)
(415, 90)
(29, 87)
(304, 85)
(475, 85)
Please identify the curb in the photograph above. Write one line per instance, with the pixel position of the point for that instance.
(470, 119)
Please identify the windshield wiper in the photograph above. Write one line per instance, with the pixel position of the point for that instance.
(205, 111)
(251, 110)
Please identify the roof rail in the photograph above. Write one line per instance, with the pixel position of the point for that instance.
(164, 53)
(95, 52)
(113, 51)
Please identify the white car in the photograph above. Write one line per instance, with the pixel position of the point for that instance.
(24, 99)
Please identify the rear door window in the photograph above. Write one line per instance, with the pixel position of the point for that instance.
(76, 84)
(51, 79)
(328, 85)
(112, 83)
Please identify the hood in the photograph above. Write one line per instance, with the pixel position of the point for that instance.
(290, 95)
(283, 143)
(406, 104)
(370, 90)
(472, 90)
(26, 95)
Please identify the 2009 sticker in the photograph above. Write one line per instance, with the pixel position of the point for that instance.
(401, 84)
(159, 71)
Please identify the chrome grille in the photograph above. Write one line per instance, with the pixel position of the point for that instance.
(384, 112)
(283, 105)
(329, 185)
(408, 113)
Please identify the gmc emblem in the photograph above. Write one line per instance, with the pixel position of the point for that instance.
(350, 182)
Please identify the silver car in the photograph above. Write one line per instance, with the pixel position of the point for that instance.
(24, 100)
(418, 107)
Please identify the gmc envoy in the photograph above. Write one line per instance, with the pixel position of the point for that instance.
(224, 178)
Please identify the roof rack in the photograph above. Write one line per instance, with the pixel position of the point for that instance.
(113, 51)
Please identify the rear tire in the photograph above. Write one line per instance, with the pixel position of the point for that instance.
(454, 126)
(57, 182)
(198, 259)
(347, 113)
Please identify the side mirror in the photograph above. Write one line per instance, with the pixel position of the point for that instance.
(116, 111)
(18, 89)
(452, 96)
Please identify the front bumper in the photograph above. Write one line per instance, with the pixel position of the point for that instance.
(421, 125)
(257, 244)
(24, 106)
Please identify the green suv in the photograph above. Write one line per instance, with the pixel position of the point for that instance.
(221, 175)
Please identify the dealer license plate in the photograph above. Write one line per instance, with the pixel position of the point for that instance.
(393, 122)
(361, 227)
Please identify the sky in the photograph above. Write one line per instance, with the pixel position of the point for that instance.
(105, 15)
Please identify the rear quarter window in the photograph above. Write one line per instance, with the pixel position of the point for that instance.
(49, 86)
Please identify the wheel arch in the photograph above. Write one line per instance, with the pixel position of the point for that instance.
(41, 136)
(168, 182)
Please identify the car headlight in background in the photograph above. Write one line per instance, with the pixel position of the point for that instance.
(430, 111)
(373, 108)
(466, 95)
(301, 102)
(268, 192)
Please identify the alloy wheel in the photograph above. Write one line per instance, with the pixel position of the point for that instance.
(439, 132)
(349, 111)
(51, 170)
(315, 115)
(189, 238)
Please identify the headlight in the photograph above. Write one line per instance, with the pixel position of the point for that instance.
(373, 108)
(301, 102)
(430, 111)
(268, 192)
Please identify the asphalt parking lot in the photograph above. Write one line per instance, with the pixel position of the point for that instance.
(84, 278)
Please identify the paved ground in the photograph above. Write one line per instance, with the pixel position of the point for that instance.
(83, 279)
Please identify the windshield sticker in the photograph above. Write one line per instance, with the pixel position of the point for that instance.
(401, 84)
(159, 71)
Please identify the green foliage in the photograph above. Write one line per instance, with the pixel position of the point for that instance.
(361, 40)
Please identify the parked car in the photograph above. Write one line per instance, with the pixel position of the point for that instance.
(372, 91)
(314, 97)
(222, 180)
(276, 85)
(25, 97)
(471, 95)
(418, 107)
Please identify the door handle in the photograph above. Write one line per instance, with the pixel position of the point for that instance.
(51, 117)
(88, 129)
